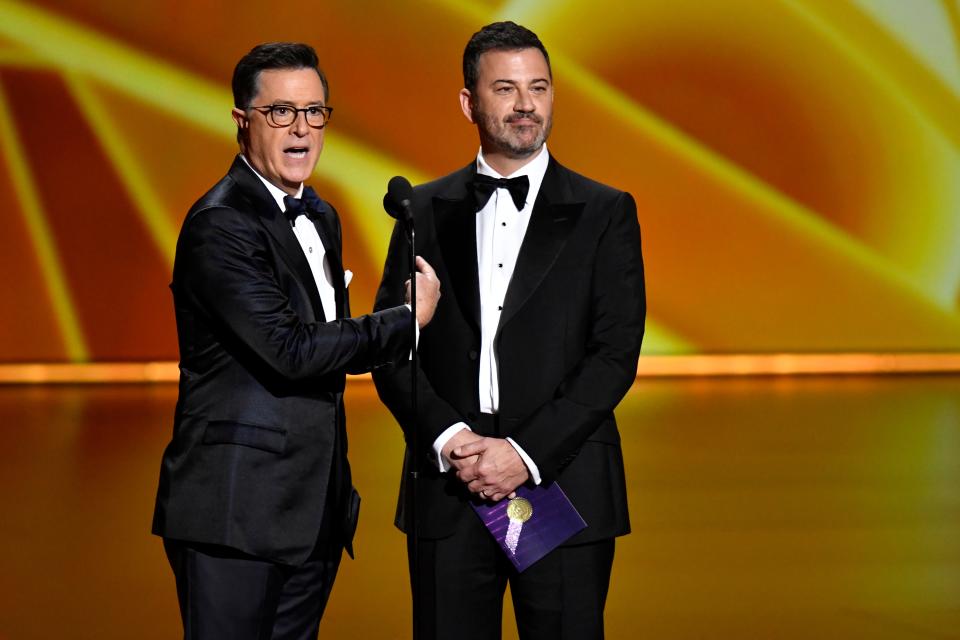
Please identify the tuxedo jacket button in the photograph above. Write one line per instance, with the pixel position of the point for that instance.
(472, 355)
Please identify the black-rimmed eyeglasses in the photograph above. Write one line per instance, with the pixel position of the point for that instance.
(284, 115)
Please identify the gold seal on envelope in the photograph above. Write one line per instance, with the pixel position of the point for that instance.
(519, 510)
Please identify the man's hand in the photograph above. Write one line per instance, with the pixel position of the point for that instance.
(498, 471)
(462, 437)
(428, 292)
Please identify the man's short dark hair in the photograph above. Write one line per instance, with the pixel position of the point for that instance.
(272, 55)
(499, 36)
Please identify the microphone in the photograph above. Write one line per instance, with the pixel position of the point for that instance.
(398, 200)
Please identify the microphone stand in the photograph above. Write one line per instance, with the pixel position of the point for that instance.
(398, 204)
(414, 437)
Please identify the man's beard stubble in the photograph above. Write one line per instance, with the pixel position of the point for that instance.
(499, 132)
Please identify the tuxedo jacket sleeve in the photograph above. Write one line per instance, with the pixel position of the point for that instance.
(230, 274)
(567, 344)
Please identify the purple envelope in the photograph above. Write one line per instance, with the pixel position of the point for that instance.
(529, 527)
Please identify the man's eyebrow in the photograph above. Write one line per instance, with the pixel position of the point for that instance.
(515, 82)
(291, 103)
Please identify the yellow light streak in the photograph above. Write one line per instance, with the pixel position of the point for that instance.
(41, 236)
(361, 172)
(797, 219)
(124, 161)
(72, 47)
(362, 176)
(921, 94)
(731, 365)
(792, 364)
(658, 340)
(18, 58)
(472, 11)
(952, 9)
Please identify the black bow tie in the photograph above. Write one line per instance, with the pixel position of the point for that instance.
(484, 186)
(309, 205)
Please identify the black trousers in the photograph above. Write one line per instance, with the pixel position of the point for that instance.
(228, 595)
(463, 579)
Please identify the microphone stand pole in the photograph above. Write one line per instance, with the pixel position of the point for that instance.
(414, 437)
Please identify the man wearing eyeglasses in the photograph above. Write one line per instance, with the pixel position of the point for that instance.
(255, 502)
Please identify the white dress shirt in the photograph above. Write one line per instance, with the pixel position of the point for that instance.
(313, 249)
(500, 231)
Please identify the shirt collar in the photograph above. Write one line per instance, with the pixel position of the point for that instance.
(277, 193)
(534, 170)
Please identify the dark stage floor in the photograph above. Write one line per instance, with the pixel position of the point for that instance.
(762, 508)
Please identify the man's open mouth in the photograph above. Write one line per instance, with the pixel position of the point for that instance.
(296, 152)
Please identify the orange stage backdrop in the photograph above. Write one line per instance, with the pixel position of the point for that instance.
(795, 162)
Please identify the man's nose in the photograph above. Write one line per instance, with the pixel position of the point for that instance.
(524, 102)
(300, 126)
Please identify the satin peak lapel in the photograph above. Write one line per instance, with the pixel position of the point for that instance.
(456, 223)
(279, 227)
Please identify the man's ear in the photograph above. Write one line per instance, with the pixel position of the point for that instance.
(240, 117)
(466, 104)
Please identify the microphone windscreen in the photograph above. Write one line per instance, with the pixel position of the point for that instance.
(399, 189)
(398, 198)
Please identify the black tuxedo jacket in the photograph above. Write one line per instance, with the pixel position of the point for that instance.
(258, 453)
(566, 347)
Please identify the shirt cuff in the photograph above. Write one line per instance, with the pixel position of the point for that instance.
(442, 463)
(416, 331)
(527, 460)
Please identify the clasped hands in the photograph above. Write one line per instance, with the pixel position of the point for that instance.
(490, 467)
